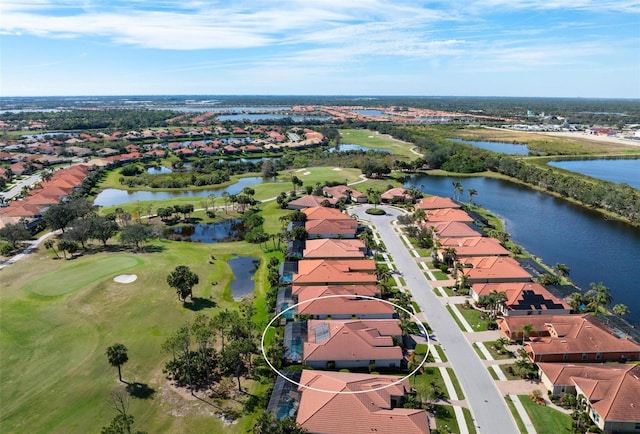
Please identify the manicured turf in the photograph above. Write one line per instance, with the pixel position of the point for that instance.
(75, 274)
(54, 374)
(546, 419)
(516, 416)
(374, 140)
(473, 318)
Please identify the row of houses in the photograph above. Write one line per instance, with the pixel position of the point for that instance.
(30, 209)
(337, 322)
(573, 351)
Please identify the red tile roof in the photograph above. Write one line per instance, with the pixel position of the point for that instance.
(333, 248)
(357, 289)
(493, 269)
(311, 201)
(330, 227)
(452, 229)
(475, 246)
(352, 340)
(323, 212)
(448, 215)
(436, 202)
(523, 296)
(321, 411)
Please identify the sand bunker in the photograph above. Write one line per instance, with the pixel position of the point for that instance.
(336, 168)
(125, 278)
(307, 173)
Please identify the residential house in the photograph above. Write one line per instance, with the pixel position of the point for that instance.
(527, 298)
(370, 290)
(397, 194)
(352, 344)
(492, 269)
(436, 202)
(452, 229)
(581, 338)
(311, 201)
(331, 228)
(345, 193)
(347, 403)
(325, 213)
(336, 303)
(334, 249)
(473, 246)
(611, 391)
(448, 215)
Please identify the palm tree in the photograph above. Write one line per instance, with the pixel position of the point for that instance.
(382, 272)
(472, 192)
(577, 301)
(599, 296)
(527, 330)
(457, 189)
(117, 356)
(49, 244)
(620, 309)
(563, 269)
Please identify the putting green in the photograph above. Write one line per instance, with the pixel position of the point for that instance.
(79, 275)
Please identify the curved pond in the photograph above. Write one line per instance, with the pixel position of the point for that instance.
(622, 170)
(158, 170)
(226, 230)
(596, 250)
(243, 267)
(114, 196)
(501, 147)
(351, 147)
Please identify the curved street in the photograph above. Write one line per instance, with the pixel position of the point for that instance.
(489, 409)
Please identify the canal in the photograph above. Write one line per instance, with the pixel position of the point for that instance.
(595, 249)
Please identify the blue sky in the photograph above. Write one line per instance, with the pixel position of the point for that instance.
(545, 48)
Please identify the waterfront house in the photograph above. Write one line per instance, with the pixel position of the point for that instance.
(397, 194)
(451, 229)
(329, 228)
(611, 392)
(448, 215)
(436, 202)
(339, 303)
(492, 269)
(345, 192)
(311, 201)
(580, 338)
(472, 246)
(528, 298)
(334, 249)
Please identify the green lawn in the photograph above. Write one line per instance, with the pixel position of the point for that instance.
(439, 275)
(428, 379)
(456, 384)
(455, 318)
(509, 375)
(473, 318)
(546, 419)
(374, 140)
(490, 345)
(516, 416)
(446, 421)
(59, 316)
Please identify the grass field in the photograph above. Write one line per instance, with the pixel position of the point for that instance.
(59, 316)
(546, 419)
(374, 140)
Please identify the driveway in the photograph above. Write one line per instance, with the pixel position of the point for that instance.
(489, 408)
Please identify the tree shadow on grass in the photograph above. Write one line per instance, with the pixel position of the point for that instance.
(199, 303)
(140, 390)
(152, 248)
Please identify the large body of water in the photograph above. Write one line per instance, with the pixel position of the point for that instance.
(269, 116)
(623, 170)
(501, 147)
(596, 250)
(114, 196)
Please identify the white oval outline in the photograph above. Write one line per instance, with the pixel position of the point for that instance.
(406, 377)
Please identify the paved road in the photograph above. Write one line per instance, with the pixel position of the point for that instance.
(492, 416)
(17, 189)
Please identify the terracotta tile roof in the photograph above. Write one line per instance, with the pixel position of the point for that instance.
(330, 227)
(395, 192)
(448, 215)
(490, 268)
(369, 290)
(338, 305)
(523, 296)
(312, 201)
(475, 246)
(356, 413)
(577, 334)
(332, 248)
(612, 389)
(306, 266)
(452, 229)
(514, 323)
(353, 340)
(324, 213)
(436, 202)
(339, 192)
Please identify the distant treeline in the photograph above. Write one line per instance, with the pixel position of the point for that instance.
(440, 153)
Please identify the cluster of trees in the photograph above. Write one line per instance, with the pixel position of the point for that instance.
(167, 213)
(596, 299)
(174, 180)
(196, 363)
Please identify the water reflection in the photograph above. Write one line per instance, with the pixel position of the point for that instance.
(243, 267)
(224, 231)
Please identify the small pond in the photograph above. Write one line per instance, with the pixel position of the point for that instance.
(501, 147)
(370, 112)
(243, 267)
(351, 147)
(224, 231)
(114, 196)
(622, 170)
(158, 170)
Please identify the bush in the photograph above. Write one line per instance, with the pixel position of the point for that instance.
(375, 211)
(6, 249)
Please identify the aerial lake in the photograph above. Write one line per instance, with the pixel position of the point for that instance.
(595, 249)
(351, 147)
(622, 170)
(243, 267)
(224, 231)
(503, 148)
(114, 196)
